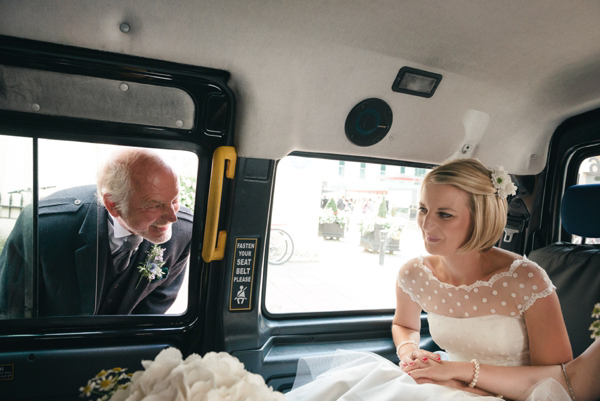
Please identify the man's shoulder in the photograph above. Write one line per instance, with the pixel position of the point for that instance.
(68, 200)
(182, 229)
(185, 214)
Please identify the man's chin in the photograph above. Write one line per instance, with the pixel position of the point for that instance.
(160, 238)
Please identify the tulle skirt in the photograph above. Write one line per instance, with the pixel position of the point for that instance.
(359, 376)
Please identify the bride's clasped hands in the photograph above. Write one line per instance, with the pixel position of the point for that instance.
(441, 372)
(434, 370)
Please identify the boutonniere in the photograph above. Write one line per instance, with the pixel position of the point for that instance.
(152, 268)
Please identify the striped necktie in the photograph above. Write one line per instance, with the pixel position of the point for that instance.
(122, 257)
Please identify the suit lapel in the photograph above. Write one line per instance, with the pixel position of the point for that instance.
(90, 258)
(138, 259)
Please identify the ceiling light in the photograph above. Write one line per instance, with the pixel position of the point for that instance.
(416, 82)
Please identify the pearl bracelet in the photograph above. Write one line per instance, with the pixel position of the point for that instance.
(403, 343)
(475, 374)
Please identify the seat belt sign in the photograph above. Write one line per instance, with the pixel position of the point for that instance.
(242, 274)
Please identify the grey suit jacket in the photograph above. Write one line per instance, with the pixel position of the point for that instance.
(75, 273)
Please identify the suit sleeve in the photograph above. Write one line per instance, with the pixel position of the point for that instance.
(16, 261)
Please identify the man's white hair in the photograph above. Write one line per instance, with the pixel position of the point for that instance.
(117, 176)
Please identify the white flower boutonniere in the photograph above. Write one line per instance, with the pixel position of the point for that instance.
(152, 268)
(595, 327)
(502, 182)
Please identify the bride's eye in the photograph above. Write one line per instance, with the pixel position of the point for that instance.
(422, 210)
(445, 215)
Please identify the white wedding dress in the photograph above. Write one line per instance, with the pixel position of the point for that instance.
(482, 321)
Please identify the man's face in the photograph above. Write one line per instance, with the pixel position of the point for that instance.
(153, 206)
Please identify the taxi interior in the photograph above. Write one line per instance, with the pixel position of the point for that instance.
(265, 94)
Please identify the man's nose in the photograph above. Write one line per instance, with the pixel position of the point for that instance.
(171, 213)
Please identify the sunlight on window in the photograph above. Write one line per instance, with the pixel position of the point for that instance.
(338, 239)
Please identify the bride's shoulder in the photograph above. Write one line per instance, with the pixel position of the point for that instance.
(506, 261)
(418, 265)
(411, 265)
(427, 262)
(503, 260)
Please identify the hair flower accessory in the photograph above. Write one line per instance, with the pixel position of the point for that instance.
(152, 268)
(502, 182)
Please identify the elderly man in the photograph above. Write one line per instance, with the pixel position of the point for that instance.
(119, 247)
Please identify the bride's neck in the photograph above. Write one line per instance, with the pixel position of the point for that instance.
(463, 268)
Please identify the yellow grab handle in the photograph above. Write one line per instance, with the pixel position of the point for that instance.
(213, 249)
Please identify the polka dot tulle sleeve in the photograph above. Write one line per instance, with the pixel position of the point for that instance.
(507, 293)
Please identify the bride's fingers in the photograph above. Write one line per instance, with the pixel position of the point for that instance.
(406, 362)
(416, 364)
(410, 368)
(420, 374)
(408, 359)
(426, 356)
(432, 356)
(419, 355)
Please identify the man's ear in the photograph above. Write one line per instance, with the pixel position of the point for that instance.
(110, 206)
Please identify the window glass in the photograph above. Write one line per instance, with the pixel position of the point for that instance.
(589, 173)
(327, 231)
(80, 243)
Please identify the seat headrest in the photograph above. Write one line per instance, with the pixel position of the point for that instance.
(580, 210)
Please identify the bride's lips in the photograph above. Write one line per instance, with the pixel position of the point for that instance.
(429, 238)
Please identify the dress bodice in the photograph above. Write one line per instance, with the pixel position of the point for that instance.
(507, 293)
(493, 339)
(484, 320)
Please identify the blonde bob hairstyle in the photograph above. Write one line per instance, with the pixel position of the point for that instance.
(488, 210)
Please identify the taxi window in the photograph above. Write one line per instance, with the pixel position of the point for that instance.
(69, 283)
(589, 173)
(340, 230)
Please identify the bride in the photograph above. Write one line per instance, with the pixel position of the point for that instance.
(484, 304)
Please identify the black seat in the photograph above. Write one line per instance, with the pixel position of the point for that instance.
(575, 268)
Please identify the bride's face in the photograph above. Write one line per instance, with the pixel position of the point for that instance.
(444, 218)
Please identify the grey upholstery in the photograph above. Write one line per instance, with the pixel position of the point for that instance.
(575, 269)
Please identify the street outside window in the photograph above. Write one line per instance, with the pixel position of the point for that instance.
(340, 231)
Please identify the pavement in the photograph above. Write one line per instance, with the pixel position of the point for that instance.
(343, 277)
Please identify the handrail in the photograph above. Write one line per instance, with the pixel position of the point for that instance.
(213, 247)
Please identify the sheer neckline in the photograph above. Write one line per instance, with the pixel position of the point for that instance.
(482, 317)
(479, 283)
